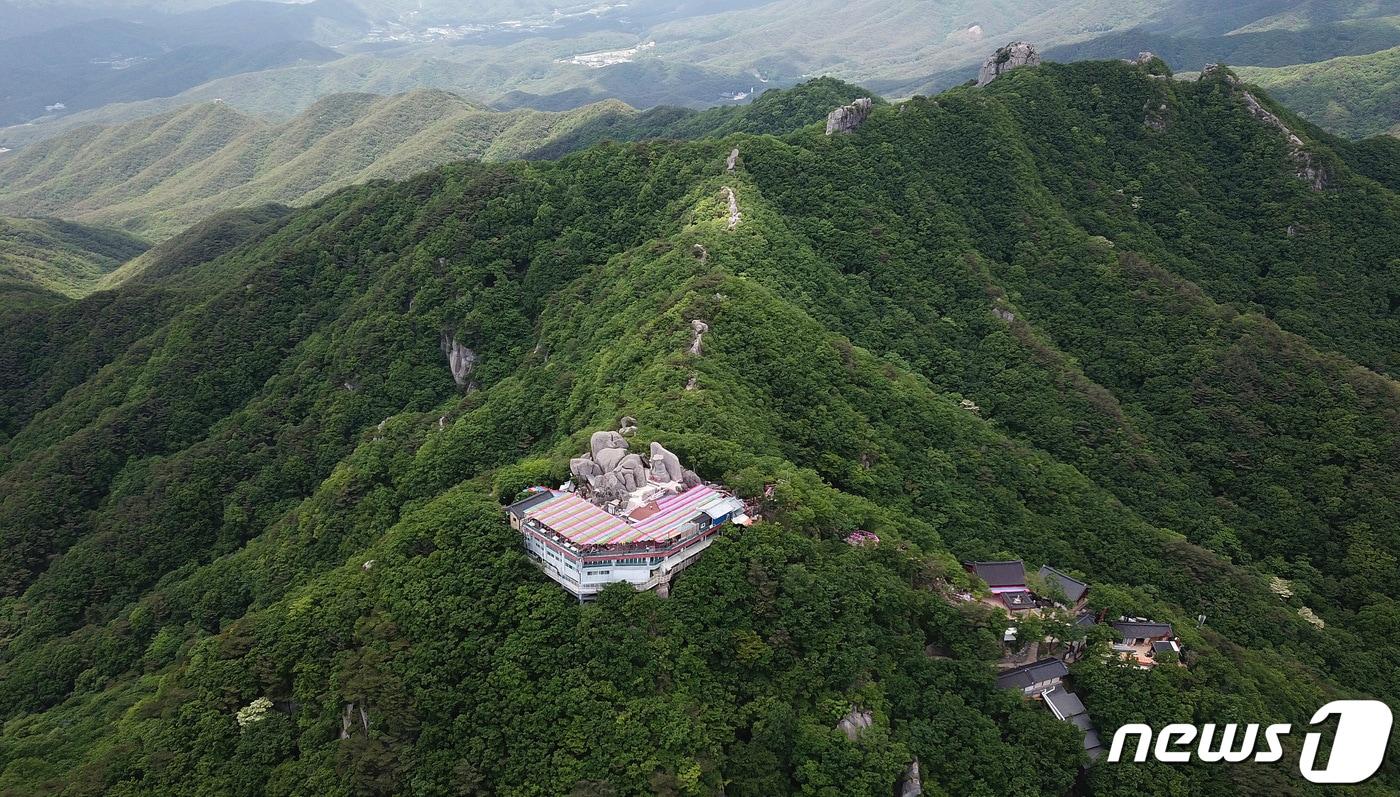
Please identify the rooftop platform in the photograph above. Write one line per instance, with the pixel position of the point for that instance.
(586, 524)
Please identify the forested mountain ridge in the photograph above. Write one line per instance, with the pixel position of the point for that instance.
(158, 175)
(265, 484)
(47, 259)
(1354, 95)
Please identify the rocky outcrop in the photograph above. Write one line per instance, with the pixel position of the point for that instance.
(610, 472)
(848, 117)
(734, 215)
(601, 441)
(733, 162)
(911, 784)
(347, 720)
(584, 468)
(609, 458)
(1308, 167)
(460, 360)
(1013, 56)
(627, 426)
(632, 472)
(855, 722)
(698, 329)
(665, 466)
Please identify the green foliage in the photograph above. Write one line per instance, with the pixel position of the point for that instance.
(265, 483)
(159, 175)
(58, 257)
(1353, 96)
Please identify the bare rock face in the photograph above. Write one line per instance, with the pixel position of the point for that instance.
(848, 117)
(627, 426)
(583, 467)
(632, 472)
(698, 329)
(1013, 56)
(735, 216)
(608, 458)
(855, 722)
(690, 478)
(605, 440)
(911, 784)
(460, 359)
(608, 487)
(733, 162)
(665, 466)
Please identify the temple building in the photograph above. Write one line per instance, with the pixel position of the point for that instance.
(592, 533)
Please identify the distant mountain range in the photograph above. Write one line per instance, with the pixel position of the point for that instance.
(158, 175)
(272, 60)
(95, 62)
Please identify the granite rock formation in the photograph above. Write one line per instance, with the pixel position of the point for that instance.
(601, 441)
(698, 329)
(1013, 56)
(734, 215)
(855, 722)
(460, 359)
(1309, 169)
(848, 117)
(665, 466)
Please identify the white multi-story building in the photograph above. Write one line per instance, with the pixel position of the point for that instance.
(584, 547)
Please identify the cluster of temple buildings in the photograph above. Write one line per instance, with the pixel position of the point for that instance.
(622, 518)
(1043, 677)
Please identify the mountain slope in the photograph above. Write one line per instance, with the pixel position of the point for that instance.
(271, 486)
(41, 257)
(1354, 96)
(159, 175)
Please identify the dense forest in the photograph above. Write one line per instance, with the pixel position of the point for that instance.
(1085, 316)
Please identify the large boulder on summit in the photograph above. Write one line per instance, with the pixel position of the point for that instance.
(583, 467)
(1005, 59)
(601, 441)
(632, 472)
(665, 466)
(608, 458)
